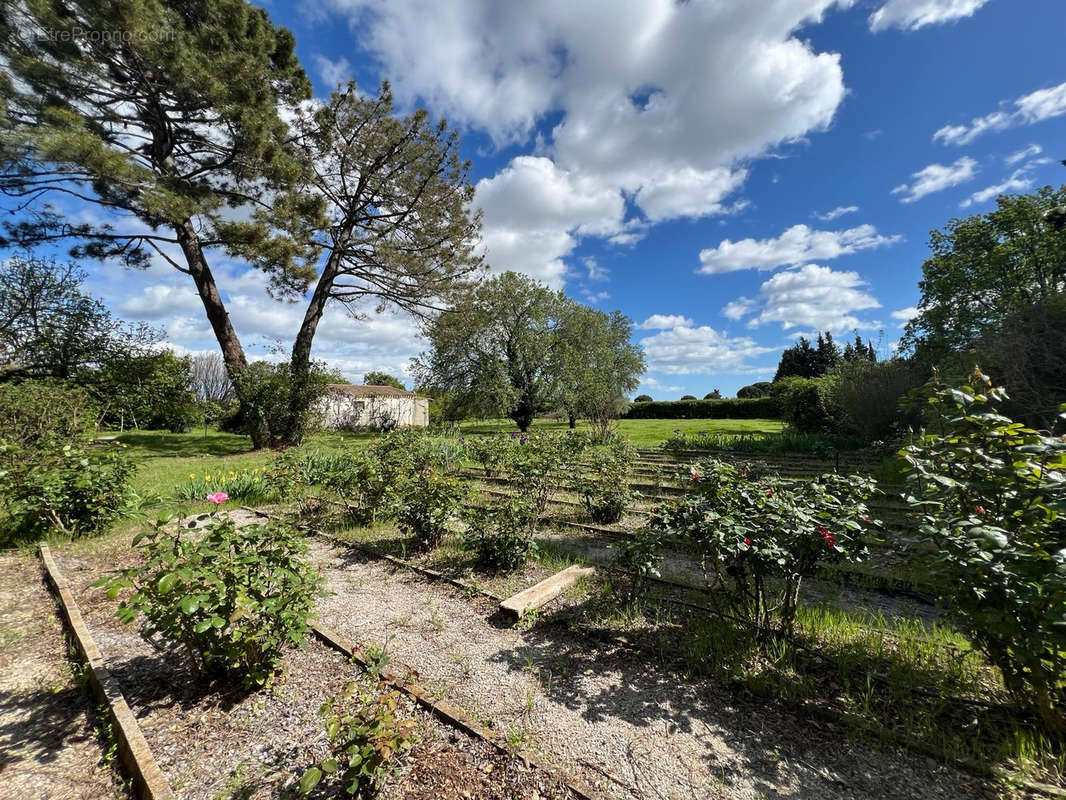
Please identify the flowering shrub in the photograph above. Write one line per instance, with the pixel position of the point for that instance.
(429, 501)
(604, 484)
(367, 742)
(990, 494)
(232, 598)
(501, 535)
(249, 485)
(758, 538)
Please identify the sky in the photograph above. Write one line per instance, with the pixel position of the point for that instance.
(730, 174)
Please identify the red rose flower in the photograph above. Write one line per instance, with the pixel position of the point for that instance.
(747, 541)
(980, 509)
(829, 539)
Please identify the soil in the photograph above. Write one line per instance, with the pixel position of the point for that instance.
(49, 745)
(224, 745)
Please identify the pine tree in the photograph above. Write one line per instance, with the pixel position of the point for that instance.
(164, 116)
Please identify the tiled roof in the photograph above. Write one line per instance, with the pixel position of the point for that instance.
(367, 391)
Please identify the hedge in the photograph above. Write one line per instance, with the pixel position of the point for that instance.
(731, 408)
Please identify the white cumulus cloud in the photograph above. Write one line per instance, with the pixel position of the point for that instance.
(797, 245)
(936, 178)
(666, 102)
(662, 321)
(690, 350)
(814, 297)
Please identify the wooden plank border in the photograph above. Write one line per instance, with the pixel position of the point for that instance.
(149, 782)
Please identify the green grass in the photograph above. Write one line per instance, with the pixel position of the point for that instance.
(166, 459)
(641, 432)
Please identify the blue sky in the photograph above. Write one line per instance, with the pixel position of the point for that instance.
(729, 174)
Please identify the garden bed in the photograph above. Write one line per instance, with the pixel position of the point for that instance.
(233, 744)
(608, 713)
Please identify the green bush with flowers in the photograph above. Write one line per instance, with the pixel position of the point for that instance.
(758, 538)
(990, 495)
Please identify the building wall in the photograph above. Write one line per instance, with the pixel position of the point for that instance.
(351, 413)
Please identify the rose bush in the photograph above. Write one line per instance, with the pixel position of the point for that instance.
(758, 538)
(990, 495)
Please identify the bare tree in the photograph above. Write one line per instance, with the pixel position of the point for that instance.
(210, 378)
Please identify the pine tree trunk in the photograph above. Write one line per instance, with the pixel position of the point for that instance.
(232, 352)
(300, 361)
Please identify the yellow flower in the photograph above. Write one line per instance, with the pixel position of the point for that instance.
(192, 476)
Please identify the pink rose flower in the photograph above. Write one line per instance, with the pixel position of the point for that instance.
(218, 498)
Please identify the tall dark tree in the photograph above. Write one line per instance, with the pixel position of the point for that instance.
(164, 116)
(396, 228)
(798, 361)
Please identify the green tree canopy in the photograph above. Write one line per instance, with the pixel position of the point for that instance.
(50, 327)
(596, 365)
(164, 116)
(494, 351)
(986, 268)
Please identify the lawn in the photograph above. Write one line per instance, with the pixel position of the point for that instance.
(166, 459)
(641, 432)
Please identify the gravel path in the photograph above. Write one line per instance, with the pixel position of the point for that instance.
(605, 714)
(49, 749)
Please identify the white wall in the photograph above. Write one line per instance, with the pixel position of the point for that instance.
(344, 411)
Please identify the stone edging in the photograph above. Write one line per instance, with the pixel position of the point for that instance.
(149, 782)
(450, 714)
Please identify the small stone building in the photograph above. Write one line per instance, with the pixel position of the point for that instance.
(349, 407)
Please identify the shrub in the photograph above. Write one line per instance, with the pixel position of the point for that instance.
(45, 411)
(537, 461)
(688, 397)
(501, 535)
(715, 395)
(807, 405)
(868, 396)
(760, 389)
(493, 453)
(368, 743)
(758, 538)
(990, 495)
(74, 490)
(231, 597)
(759, 408)
(429, 501)
(643, 398)
(604, 485)
(53, 478)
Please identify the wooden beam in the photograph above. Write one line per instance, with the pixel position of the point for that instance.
(544, 592)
